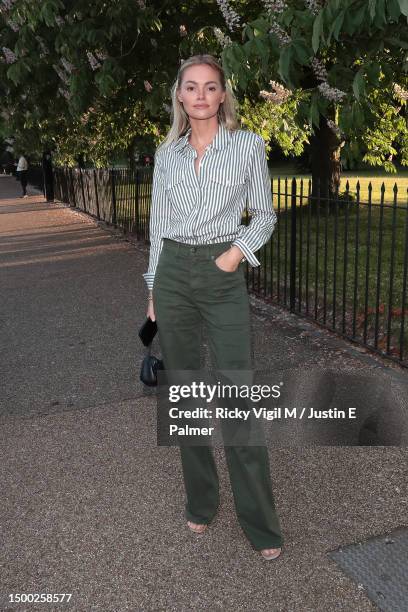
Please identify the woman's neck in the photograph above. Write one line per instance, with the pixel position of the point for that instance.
(203, 132)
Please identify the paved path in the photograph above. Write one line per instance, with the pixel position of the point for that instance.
(90, 505)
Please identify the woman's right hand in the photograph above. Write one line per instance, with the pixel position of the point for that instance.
(150, 310)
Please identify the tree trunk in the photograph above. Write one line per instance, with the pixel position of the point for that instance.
(325, 161)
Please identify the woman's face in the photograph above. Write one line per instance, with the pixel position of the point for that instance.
(201, 92)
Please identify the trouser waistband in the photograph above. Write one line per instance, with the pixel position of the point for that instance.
(205, 250)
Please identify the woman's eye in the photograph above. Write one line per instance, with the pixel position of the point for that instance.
(190, 87)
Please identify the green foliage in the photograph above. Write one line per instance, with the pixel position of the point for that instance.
(363, 48)
(105, 107)
(53, 33)
(276, 123)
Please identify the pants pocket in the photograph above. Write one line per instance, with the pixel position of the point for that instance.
(225, 272)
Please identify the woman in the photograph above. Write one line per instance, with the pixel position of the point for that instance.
(204, 171)
(22, 170)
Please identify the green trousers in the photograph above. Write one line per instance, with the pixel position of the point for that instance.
(190, 293)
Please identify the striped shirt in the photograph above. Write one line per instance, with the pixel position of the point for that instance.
(208, 208)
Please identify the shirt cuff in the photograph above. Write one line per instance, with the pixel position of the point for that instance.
(149, 279)
(247, 252)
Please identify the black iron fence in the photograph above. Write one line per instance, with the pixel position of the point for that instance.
(335, 259)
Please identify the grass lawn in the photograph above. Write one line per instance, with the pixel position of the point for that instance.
(374, 176)
(352, 267)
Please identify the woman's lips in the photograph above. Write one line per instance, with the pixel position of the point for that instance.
(200, 105)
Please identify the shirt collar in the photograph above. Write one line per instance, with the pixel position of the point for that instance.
(220, 141)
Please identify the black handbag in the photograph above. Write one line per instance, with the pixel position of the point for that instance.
(150, 364)
(149, 369)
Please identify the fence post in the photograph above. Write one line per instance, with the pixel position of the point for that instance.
(72, 188)
(96, 194)
(112, 171)
(48, 176)
(82, 188)
(292, 277)
(137, 202)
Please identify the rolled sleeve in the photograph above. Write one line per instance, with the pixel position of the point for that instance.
(263, 217)
(159, 219)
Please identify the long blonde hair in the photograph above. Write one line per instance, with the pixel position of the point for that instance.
(179, 119)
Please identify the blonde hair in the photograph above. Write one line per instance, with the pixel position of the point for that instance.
(179, 119)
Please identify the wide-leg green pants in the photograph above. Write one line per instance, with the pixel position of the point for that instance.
(191, 292)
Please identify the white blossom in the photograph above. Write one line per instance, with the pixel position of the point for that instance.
(67, 65)
(282, 36)
(7, 4)
(183, 30)
(102, 55)
(93, 61)
(331, 93)
(9, 55)
(59, 20)
(231, 17)
(148, 86)
(278, 96)
(314, 6)
(319, 69)
(275, 6)
(64, 93)
(61, 74)
(13, 25)
(222, 38)
(335, 128)
(401, 93)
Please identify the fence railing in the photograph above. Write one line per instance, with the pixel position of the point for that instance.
(337, 260)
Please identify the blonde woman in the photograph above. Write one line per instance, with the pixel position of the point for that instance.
(205, 171)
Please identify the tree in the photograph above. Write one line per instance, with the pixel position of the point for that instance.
(93, 78)
(349, 62)
(69, 67)
(64, 61)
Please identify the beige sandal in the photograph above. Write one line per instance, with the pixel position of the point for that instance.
(198, 528)
(271, 553)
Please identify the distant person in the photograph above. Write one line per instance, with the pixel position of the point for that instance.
(22, 169)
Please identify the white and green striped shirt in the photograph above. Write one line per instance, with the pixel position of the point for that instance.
(208, 209)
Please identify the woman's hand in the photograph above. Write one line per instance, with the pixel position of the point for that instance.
(150, 308)
(230, 259)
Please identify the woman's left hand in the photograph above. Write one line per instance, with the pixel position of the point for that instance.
(229, 260)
